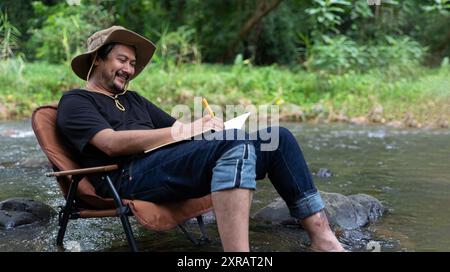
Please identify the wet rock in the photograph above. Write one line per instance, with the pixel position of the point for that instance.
(208, 218)
(395, 123)
(276, 212)
(442, 123)
(7, 132)
(244, 101)
(4, 112)
(371, 205)
(292, 112)
(410, 121)
(357, 238)
(185, 95)
(324, 173)
(376, 115)
(39, 162)
(340, 118)
(344, 212)
(16, 212)
(359, 120)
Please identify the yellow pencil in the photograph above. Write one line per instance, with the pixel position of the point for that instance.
(205, 103)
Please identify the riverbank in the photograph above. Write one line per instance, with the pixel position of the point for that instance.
(397, 96)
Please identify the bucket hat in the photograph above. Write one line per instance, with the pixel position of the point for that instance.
(144, 49)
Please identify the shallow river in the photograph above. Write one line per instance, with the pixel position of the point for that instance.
(407, 169)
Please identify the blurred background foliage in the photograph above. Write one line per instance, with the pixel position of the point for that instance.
(335, 35)
(335, 58)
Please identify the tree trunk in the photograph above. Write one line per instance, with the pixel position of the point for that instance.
(263, 8)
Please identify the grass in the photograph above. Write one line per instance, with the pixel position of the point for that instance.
(418, 91)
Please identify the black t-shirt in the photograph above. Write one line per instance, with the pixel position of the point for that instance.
(82, 114)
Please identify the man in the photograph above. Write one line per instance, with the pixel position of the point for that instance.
(103, 123)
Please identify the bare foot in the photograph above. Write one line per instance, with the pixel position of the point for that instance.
(320, 234)
(332, 245)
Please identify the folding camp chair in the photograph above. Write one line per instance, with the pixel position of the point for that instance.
(83, 202)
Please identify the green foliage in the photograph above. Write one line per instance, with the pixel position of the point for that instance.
(434, 31)
(146, 17)
(355, 55)
(9, 37)
(441, 6)
(55, 30)
(217, 23)
(19, 14)
(177, 47)
(28, 85)
(276, 42)
(339, 54)
(65, 29)
(327, 15)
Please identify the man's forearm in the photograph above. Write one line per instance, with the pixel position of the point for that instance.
(127, 142)
(137, 141)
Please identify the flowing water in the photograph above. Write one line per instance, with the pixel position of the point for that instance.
(407, 169)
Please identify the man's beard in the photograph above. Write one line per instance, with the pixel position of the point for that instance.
(117, 89)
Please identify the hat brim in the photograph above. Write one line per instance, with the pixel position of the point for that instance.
(144, 52)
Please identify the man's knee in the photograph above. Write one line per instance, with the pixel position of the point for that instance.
(270, 138)
(235, 168)
(285, 135)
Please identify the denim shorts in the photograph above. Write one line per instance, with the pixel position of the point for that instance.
(190, 169)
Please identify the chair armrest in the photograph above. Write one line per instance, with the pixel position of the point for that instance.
(83, 171)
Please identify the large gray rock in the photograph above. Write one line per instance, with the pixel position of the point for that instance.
(276, 212)
(373, 206)
(347, 213)
(16, 212)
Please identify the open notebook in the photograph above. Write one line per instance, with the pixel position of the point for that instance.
(235, 123)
